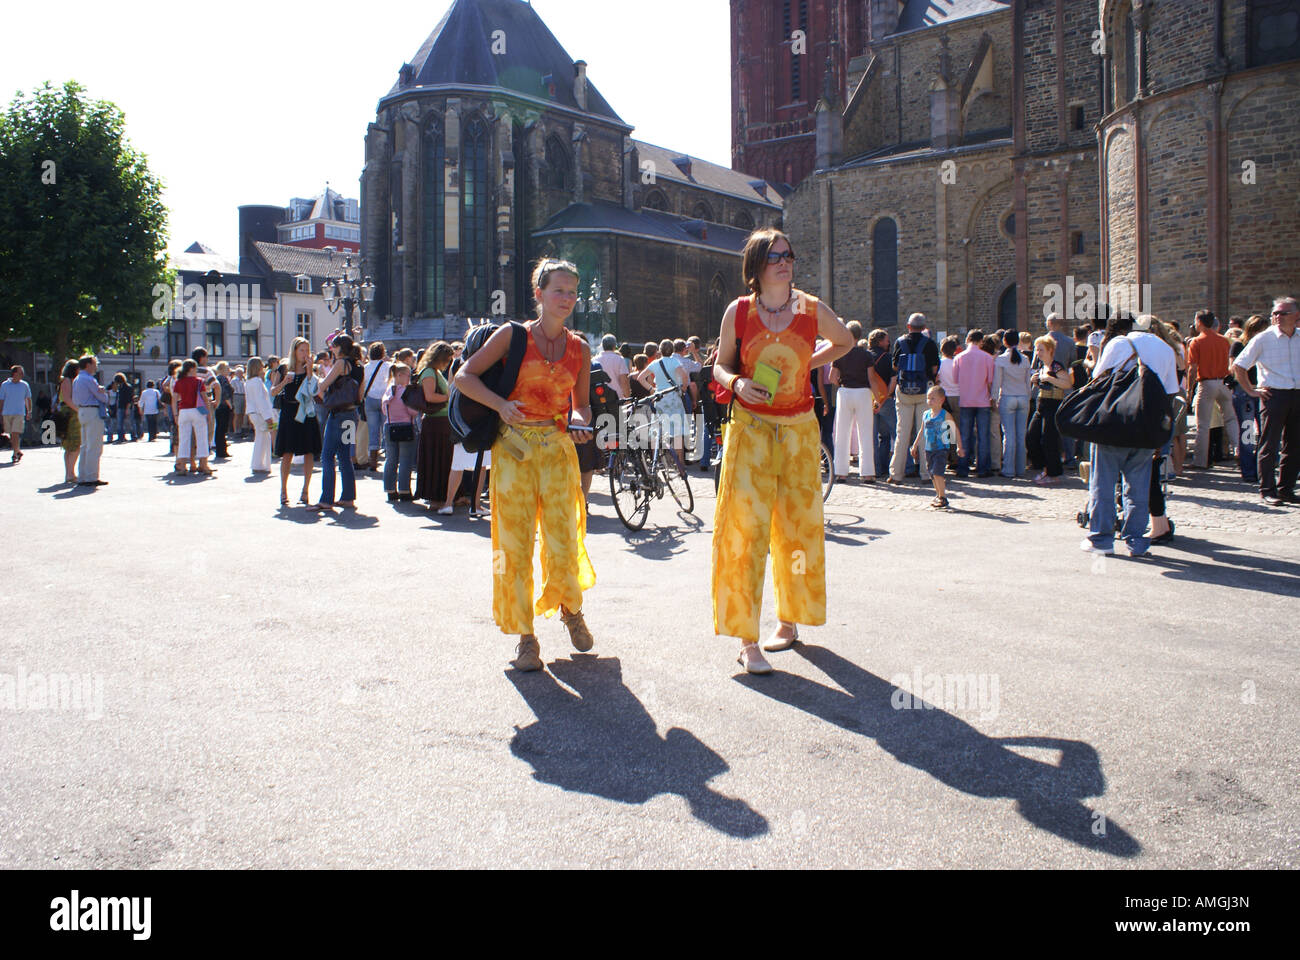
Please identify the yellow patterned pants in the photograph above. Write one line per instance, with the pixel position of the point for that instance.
(544, 491)
(769, 499)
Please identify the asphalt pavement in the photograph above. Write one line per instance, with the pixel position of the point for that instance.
(193, 677)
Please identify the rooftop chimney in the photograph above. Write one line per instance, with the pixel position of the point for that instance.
(580, 84)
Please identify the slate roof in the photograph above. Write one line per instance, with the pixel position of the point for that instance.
(292, 261)
(711, 176)
(459, 52)
(603, 217)
(199, 258)
(927, 13)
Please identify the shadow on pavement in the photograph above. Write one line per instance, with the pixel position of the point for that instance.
(954, 752)
(1233, 567)
(653, 542)
(603, 742)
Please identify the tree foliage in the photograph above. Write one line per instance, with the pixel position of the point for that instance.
(82, 225)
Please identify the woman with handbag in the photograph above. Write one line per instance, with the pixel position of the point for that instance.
(340, 394)
(399, 434)
(433, 457)
(535, 475)
(1042, 441)
(296, 437)
(770, 491)
(68, 412)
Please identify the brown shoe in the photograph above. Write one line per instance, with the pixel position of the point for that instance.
(528, 655)
(578, 632)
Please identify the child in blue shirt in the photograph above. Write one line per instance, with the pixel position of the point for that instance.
(938, 433)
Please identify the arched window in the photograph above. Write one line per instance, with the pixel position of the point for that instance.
(884, 273)
(1007, 309)
(702, 211)
(433, 196)
(557, 172)
(718, 300)
(743, 221)
(655, 200)
(475, 235)
(1274, 32)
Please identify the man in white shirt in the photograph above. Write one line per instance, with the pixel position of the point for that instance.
(149, 405)
(612, 362)
(1133, 464)
(1275, 354)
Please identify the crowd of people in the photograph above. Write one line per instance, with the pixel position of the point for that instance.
(794, 378)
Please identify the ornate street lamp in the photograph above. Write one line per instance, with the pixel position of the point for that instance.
(348, 291)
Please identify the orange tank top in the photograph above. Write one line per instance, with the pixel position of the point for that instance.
(790, 351)
(544, 389)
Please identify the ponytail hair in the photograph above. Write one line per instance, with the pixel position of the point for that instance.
(1011, 340)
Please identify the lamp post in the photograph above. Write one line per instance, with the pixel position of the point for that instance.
(346, 292)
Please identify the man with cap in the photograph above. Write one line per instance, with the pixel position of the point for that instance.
(916, 365)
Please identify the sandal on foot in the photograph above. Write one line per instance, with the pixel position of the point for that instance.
(781, 643)
(528, 655)
(752, 659)
(578, 632)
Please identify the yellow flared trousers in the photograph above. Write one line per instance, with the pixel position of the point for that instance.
(543, 491)
(769, 498)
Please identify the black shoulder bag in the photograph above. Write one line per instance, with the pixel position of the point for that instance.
(1125, 407)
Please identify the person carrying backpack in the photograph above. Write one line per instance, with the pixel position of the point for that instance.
(535, 479)
(916, 364)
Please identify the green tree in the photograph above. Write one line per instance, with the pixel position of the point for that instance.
(82, 225)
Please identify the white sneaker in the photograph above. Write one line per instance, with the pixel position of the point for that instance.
(1087, 546)
(446, 511)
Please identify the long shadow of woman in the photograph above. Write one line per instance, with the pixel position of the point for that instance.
(955, 753)
(603, 741)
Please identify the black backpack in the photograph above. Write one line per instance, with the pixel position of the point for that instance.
(474, 425)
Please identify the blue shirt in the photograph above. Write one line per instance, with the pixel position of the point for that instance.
(938, 432)
(15, 397)
(86, 392)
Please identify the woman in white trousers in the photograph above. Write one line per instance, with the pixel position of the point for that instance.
(257, 406)
(855, 416)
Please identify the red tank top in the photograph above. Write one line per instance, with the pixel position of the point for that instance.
(790, 351)
(544, 389)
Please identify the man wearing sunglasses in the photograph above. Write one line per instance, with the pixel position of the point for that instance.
(1276, 354)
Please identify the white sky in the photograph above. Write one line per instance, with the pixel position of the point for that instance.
(248, 102)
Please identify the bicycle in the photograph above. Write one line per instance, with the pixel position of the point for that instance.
(641, 473)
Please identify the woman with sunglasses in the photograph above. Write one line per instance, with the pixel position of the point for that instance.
(770, 493)
(535, 479)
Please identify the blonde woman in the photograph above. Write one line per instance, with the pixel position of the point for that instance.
(535, 478)
(297, 436)
(1042, 442)
(769, 493)
(434, 449)
(257, 406)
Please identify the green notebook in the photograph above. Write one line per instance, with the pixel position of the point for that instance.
(769, 378)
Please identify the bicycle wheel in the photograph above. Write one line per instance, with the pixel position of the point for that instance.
(828, 473)
(629, 488)
(674, 478)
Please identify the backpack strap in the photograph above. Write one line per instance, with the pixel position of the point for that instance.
(515, 359)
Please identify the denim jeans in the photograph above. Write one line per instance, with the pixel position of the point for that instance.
(1109, 466)
(399, 461)
(375, 421)
(1015, 420)
(334, 449)
(974, 424)
(1247, 408)
(886, 428)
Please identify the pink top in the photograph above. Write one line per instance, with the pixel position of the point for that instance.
(973, 368)
(394, 410)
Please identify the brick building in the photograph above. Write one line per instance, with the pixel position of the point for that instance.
(991, 151)
(495, 149)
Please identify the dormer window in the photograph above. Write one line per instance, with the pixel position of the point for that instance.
(302, 283)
